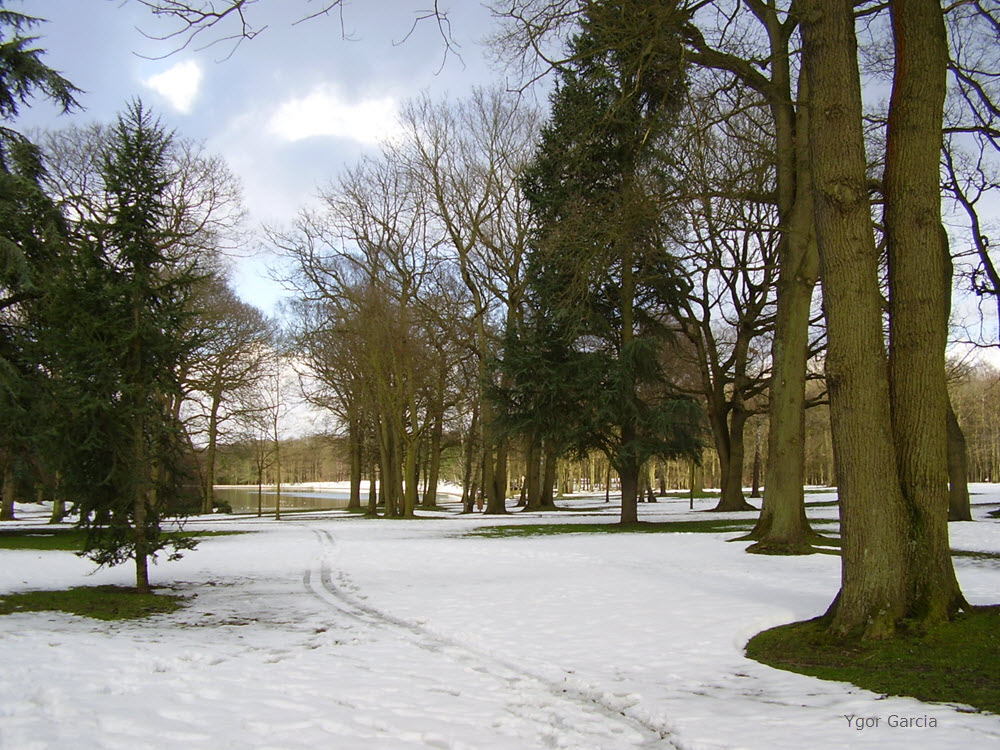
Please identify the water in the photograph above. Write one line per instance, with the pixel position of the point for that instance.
(244, 499)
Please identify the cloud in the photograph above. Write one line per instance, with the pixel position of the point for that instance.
(179, 85)
(324, 112)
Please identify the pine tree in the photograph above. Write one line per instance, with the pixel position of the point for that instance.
(602, 279)
(118, 334)
(30, 234)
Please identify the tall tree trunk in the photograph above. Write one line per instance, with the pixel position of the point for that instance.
(959, 507)
(918, 323)
(58, 501)
(354, 452)
(628, 473)
(873, 512)
(140, 500)
(9, 492)
(277, 481)
(496, 499)
(208, 494)
(783, 526)
(469, 469)
(434, 467)
(411, 479)
(757, 464)
(373, 483)
(549, 478)
(533, 473)
(731, 454)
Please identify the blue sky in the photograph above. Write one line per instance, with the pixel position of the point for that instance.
(286, 110)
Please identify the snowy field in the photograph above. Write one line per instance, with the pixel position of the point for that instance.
(330, 632)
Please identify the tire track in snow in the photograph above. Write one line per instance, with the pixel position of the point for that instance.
(318, 580)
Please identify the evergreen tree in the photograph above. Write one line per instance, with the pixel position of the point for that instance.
(30, 233)
(602, 281)
(118, 333)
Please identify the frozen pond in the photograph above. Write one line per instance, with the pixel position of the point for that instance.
(245, 499)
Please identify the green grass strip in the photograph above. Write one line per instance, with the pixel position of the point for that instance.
(98, 602)
(69, 539)
(955, 662)
(668, 527)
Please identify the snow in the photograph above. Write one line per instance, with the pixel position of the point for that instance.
(326, 630)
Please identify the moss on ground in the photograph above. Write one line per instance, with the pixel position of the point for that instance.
(955, 662)
(98, 602)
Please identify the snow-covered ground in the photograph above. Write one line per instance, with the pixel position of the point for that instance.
(329, 632)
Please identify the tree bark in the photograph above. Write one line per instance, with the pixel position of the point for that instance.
(208, 496)
(959, 507)
(354, 451)
(533, 474)
(729, 439)
(549, 478)
(873, 512)
(434, 467)
(918, 323)
(783, 526)
(372, 491)
(9, 493)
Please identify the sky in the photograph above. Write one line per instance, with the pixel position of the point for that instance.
(287, 110)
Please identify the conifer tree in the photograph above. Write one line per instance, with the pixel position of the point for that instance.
(602, 278)
(31, 230)
(118, 333)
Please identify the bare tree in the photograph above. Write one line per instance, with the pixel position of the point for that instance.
(235, 342)
(206, 23)
(728, 316)
(467, 157)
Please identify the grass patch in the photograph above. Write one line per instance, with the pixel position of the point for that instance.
(668, 527)
(69, 539)
(56, 539)
(98, 602)
(955, 662)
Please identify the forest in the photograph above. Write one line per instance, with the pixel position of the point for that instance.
(714, 259)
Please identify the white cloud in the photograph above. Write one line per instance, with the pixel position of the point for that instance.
(324, 112)
(179, 85)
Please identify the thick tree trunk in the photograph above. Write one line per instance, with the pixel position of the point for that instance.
(630, 490)
(783, 527)
(873, 513)
(731, 455)
(918, 323)
(549, 479)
